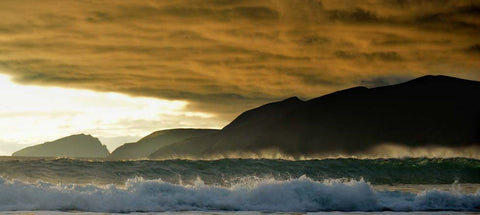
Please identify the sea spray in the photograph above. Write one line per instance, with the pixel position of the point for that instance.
(301, 194)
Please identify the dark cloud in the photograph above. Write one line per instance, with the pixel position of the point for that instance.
(317, 79)
(394, 42)
(384, 80)
(455, 18)
(313, 40)
(473, 9)
(383, 56)
(225, 103)
(227, 56)
(474, 49)
(98, 16)
(255, 13)
(356, 15)
(314, 76)
(192, 11)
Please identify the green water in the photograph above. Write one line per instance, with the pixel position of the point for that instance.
(231, 171)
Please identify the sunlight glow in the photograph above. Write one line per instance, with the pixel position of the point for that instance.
(34, 114)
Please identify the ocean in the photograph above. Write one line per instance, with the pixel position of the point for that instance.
(240, 186)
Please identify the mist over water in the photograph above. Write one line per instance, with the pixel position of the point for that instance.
(380, 151)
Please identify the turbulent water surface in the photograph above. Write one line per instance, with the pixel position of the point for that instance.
(249, 185)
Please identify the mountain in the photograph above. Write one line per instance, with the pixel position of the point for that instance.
(80, 145)
(428, 111)
(151, 143)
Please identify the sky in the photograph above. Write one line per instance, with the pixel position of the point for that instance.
(35, 114)
(122, 69)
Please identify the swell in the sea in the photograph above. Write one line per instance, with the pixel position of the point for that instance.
(227, 172)
(301, 194)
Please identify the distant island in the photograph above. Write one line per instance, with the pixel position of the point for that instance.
(427, 112)
(75, 146)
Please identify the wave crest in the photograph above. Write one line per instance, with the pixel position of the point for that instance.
(302, 194)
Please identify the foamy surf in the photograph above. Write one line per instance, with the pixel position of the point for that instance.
(242, 213)
(302, 195)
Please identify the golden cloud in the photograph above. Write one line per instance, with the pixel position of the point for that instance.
(227, 56)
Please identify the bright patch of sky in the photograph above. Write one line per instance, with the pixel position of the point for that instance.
(35, 114)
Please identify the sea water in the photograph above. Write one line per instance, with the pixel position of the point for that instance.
(240, 186)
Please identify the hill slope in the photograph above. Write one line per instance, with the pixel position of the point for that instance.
(151, 143)
(79, 145)
(427, 111)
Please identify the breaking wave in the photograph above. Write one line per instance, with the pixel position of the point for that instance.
(301, 194)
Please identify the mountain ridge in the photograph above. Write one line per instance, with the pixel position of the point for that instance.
(154, 141)
(427, 111)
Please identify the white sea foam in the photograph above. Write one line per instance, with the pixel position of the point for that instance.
(302, 194)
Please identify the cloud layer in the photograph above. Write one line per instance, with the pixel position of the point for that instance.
(224, 57)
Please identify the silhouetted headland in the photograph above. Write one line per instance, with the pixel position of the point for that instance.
(153, 142)
(430, 111)
(77, 146)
